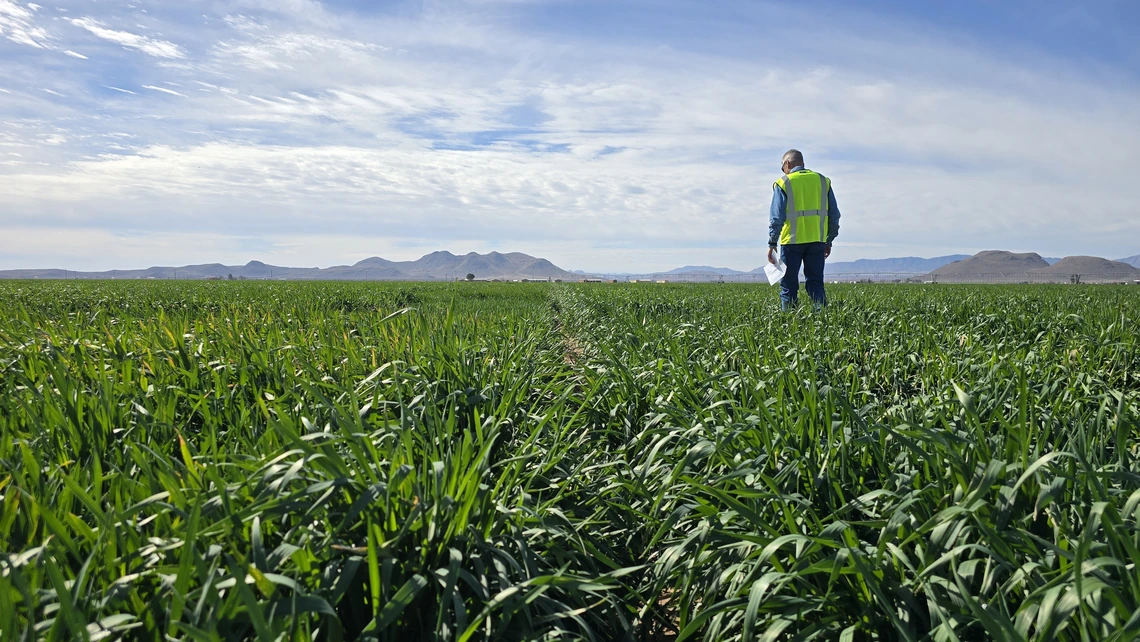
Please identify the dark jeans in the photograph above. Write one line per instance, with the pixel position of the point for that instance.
(810, 255)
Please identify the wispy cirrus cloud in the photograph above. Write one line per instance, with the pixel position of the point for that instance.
(284, 51)
(163, 90)
(145, 44)
(18, 24)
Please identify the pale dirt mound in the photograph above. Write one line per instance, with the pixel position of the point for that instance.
(994, 262)
(1089, 265)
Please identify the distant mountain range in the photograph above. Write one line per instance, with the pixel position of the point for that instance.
(1134, 261)
(908, 265)
(440, 266)
(905, 265)
(437, 266)
(999, 262)
(703, 269)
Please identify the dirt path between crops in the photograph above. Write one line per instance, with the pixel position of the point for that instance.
(571, 349)
(666, 626)
(663, 622)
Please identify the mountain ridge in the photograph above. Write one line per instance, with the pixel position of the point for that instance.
(436, 266)
(993, 262)
(901, 265)
(1134, 261)
(703, 269)
(443, 265)
(1090, 265)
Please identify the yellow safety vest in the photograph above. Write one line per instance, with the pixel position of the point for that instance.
(807, 207)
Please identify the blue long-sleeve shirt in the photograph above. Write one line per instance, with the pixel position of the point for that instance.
(779, 213)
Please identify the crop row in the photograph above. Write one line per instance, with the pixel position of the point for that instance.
(483, 461)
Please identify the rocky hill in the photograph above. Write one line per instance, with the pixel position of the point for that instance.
(1090, 265)
(995, 266)
(993, 262)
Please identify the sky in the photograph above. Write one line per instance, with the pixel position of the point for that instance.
(603, 135)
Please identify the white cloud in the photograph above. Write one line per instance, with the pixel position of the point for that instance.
(18, 24)
(164, 90)
(286, 51)
(513, 194)
(149, 46)
(75, 54)
(120, 89)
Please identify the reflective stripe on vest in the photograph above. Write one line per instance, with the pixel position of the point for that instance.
(793, 232)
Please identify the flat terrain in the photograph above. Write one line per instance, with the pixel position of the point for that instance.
(342, 461)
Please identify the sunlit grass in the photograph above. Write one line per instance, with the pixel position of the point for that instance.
(510, 461)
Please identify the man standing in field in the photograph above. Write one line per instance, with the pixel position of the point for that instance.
(804, 220)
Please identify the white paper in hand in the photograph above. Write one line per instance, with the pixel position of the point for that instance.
(774, 272)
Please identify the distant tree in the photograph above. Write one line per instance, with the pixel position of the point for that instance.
(470, 277)
(230, 277)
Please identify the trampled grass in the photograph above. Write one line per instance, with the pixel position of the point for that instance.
(330, 461)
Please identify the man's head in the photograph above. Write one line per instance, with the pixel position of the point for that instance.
(792, 158)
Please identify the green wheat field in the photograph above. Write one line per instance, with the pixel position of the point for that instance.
(360, 461)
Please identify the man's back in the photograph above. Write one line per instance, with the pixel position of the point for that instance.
(803, 221)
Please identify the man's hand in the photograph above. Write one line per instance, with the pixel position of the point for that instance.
(772, 255)
(826, 251)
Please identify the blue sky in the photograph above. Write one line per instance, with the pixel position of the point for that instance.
(602, 135)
